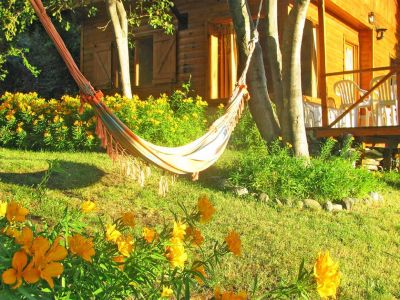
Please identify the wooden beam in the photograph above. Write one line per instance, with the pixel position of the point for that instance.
(357, 131)
(322, 62)
(391, 68)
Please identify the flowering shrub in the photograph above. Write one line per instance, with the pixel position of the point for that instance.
(68, 262)
(30, 122)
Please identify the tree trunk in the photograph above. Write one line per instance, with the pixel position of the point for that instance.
(260, 103)
(119, 21)
(274, 56)
(291, 75)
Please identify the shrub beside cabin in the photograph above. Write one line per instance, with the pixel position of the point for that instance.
(360, 34)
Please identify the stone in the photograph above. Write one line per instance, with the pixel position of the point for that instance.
(300, 204)
(263, 197)
(329, 206)
(278, 202)
(375, 197)
(241, 191)
(348, 203)
(337, 207)
(312, 204)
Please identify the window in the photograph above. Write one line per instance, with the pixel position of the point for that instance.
(351, 61)
(154, 59)
(309, 60)
(223, 60)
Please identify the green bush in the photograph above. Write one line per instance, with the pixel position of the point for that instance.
(275, 171)
(30, 122)
(246, 134)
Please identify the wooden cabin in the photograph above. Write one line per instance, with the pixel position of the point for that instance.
(340, 36)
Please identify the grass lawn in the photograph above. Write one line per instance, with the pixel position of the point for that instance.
(365, 242)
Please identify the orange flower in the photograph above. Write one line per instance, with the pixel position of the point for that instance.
(148, 234)
(195, 236)
(125, 245)
(46, 259)
(11, 232)
(233, 242)
(81, 246)
(202, 271)
(25, 239)
(120, 261)
(206, 209)
(229, 295)
(128, 219)
(16, 212)
(15, 274)
(112, 234)
(88, 206)
(179, 230)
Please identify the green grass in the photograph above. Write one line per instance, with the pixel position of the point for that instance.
(365, 242)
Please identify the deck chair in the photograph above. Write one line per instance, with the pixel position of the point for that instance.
(385, 99)
(349, 92)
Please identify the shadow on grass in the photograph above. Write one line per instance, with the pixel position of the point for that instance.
(65, 176)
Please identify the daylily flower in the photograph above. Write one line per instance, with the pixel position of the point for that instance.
(195, 236)
(206, 209)
(128, 219)
(81, 246)
(327, 275)
(14, 275)
(15, 212)
(233, 242)
(88, 206)
(3, 209)
(179, 230)
(125, 245)
(120, 261)
(25, 239)
(167, 292)
(218, 295)
(176, 253)
(46, 259)
(148, 234)
(112, 234)
(202, 271)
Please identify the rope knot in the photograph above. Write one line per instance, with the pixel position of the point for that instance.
(95, 99)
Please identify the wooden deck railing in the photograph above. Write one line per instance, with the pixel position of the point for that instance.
(392, 70)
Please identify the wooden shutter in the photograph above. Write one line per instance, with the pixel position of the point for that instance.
(98, 65)
(164, 58)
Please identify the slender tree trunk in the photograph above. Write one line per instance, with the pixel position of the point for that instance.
(260, 103)
(119, 21)
(291, 75)
(274, 56)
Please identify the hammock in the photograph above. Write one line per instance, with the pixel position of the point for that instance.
(119, 140)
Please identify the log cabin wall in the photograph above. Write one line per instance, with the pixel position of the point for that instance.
(193, 56)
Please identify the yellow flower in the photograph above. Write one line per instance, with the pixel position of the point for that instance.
(179, 230)
(128, 219)
(195, 236)
(148, 235)
(88, 206)
(81, 246)
(16, 212)
(206, 209)
(167, 292)
(3, 209)
(112, 234)
(125, 245)
(176, 253)
(327, 275)
(233, 242)
(14, 275)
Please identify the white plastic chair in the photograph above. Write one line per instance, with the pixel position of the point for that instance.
(348, 90)
(385, 99)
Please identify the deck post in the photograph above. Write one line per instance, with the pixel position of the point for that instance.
(398, 95)
(322, 62)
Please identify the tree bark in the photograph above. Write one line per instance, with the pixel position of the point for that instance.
(119, 21)
(291, 75)
(260, 102)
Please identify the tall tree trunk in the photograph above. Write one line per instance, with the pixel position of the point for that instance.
(260, 103)
(274, 57)
(291, 75)
(119, 21)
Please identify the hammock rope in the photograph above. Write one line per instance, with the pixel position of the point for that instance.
(119, 140)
